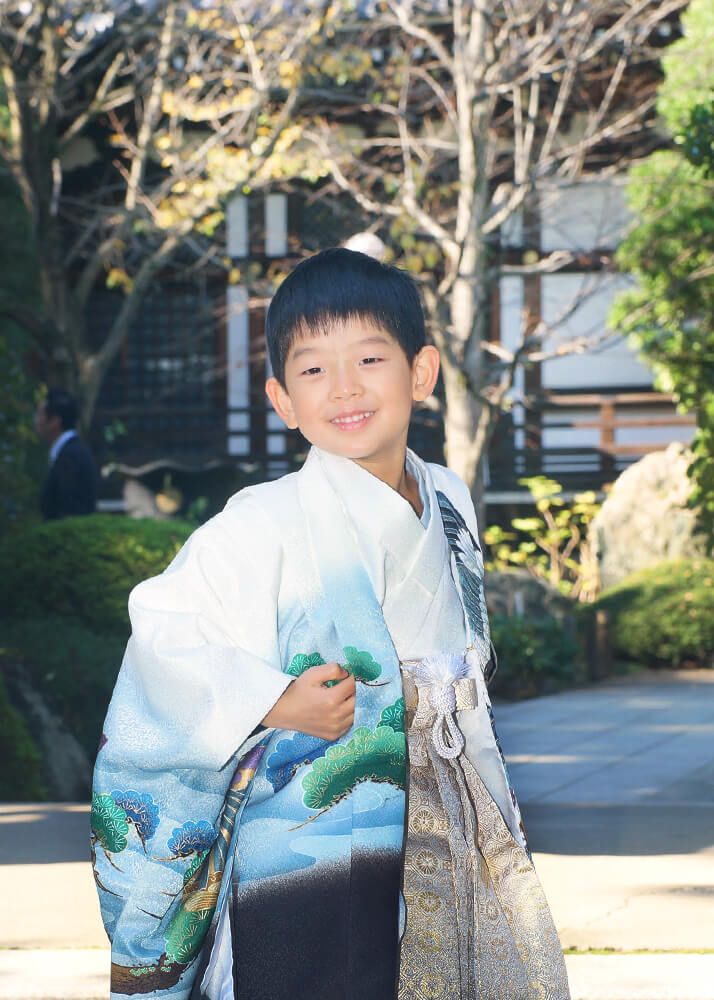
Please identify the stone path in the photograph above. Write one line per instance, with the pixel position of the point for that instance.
(616, 783)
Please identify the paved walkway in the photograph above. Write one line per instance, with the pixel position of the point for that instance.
(617, 787)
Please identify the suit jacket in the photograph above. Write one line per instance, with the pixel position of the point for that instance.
(71, 485)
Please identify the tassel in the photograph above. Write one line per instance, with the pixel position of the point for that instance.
(438, 676)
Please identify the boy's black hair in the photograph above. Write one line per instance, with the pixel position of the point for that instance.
(59, 403)
(340, 284)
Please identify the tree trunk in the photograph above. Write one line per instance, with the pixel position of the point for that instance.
(467, 416)
(467, 423)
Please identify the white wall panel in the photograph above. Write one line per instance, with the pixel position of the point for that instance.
(512, 233)
(511, 316)
(276, 442)
(582, 216)
(276, 225)
(511, 324)
(660, 435)
(238, 374)
(569, 437)
(237, 226)
(576, 305)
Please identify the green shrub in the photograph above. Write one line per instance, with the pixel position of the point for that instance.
(664, 614)
(72, 668)
(21, 778)
(535, 656)
(84, 567)
(554, 544)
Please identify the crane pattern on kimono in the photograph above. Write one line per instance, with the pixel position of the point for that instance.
(464, 547)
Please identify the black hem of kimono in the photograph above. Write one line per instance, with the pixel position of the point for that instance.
(328, 932)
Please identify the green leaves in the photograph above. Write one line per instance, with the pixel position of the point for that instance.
(361, 664)
(109, 824)
(688, 66)
(697, 139)
(83, 568)
(186, 933)
(393, 716)
(553, 545)
(535, 656)
(302, 662)
(670, 252)
(664, 614)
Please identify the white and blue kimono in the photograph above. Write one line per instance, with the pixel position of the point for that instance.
(240, 863)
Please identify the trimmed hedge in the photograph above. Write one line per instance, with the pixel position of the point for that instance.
(663, 615)
(535, 656)
(72, 668)
(83, 568)
(21, 774)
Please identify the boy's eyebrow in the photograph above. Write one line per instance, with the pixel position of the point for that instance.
(376, 339)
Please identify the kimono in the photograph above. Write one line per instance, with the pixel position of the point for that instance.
(235, 862)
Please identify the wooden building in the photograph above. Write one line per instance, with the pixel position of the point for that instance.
(188, 387)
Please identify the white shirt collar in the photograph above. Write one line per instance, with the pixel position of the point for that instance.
(384, 520)
(60, 443)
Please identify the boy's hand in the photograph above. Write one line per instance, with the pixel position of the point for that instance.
(309, 707)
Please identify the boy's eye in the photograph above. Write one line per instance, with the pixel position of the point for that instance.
(366, 361)
(310, 371)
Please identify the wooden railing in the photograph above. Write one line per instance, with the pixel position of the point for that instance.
(582, 465)
(196, 436)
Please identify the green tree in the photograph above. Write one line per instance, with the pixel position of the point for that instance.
(19, 448)
(17, 486)
(670, 250)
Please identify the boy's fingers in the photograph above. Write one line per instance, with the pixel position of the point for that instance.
(326, 672)
(345, 689)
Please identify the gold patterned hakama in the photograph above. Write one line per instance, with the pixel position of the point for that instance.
(478, 925)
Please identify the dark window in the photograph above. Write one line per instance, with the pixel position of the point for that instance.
(167, 385)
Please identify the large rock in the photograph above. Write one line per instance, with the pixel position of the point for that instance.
(516, 593)
(645, 518)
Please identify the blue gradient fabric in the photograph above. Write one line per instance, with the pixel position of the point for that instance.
(210, 835)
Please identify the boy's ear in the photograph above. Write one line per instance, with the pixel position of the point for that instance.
(281, 403)
(425, 372)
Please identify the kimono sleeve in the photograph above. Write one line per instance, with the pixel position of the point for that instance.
(202, 666)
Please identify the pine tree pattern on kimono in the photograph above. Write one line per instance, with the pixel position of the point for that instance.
(189, 915)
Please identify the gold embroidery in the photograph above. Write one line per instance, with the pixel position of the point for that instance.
(478, 926)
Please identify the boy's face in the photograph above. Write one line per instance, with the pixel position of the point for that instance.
(351, 391)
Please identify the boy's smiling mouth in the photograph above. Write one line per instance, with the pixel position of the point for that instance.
(352, 421)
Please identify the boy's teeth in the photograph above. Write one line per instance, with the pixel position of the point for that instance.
(353, 419)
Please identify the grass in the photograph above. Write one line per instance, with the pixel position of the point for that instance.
(638, 951)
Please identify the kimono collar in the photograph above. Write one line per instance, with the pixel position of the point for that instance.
(393, 541)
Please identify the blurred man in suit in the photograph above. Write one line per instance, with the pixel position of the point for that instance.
(71, 485)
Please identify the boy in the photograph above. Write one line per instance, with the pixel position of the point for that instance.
(250, 826)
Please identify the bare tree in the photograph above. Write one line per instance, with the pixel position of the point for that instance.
(449, 118)
(169, 107)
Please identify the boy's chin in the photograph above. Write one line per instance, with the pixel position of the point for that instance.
(348, 449)
(358, 450)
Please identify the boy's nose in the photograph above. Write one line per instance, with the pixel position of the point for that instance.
(344, 385)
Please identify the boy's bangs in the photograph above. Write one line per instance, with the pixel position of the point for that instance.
(338, 286)
(326, 321)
